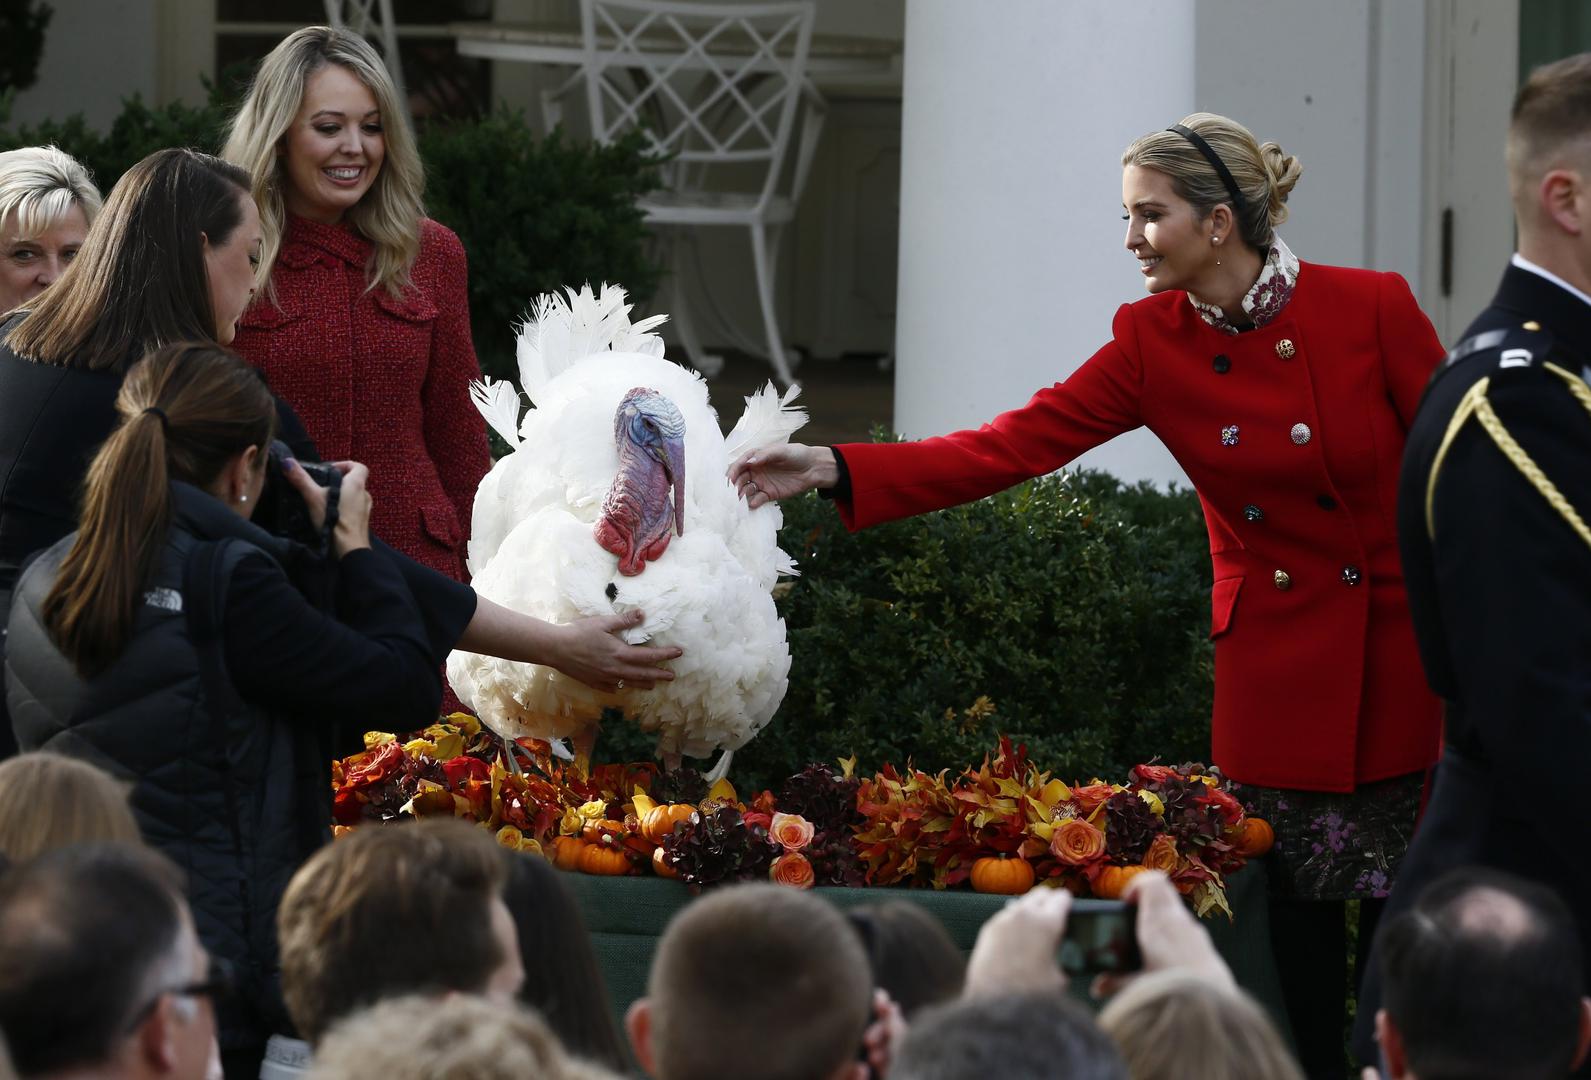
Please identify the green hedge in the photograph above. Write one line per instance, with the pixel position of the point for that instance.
(534, 214)
(1071, 613)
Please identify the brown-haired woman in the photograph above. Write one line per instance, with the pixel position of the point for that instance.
(49, 801)
(165, 640)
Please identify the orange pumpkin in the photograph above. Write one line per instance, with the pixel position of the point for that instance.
(1112, 881)
(604, 860)
(660, 864)
(595, 830)
(566, 852)
(1256, 838)
(659, 821)
(998, 874)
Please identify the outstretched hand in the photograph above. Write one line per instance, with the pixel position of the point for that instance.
(782, 472)
(592, 651)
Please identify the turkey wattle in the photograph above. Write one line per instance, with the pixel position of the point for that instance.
(613, 498)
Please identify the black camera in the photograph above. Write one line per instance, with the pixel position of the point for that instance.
(283, 511)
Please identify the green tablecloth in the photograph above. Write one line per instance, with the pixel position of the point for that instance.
(626, 915)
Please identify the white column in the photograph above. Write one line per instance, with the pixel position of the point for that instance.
(1011, 257)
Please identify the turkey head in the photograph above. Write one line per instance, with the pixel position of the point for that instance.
(638, 520)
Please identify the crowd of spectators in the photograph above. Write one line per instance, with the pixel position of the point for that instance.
(427, 951)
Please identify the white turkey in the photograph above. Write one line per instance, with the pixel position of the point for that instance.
(613, 498)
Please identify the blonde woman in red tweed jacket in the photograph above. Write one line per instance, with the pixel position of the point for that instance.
(362, 319)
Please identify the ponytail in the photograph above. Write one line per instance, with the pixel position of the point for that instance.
(186, 411)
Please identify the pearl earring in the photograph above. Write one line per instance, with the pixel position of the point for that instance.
(243, 498)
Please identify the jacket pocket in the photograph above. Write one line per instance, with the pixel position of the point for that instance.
(414, 306)
(264, 314)
(1223, 602)
(441, 523)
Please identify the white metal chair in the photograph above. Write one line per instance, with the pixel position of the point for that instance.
(716, 87)
(372, 19)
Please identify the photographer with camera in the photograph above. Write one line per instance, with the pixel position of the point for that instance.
(165, 639)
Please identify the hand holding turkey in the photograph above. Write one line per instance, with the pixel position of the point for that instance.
(783, 472)
(592, 651)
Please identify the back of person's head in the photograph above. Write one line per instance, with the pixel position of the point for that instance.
(94, 939)
(910, 954)
(753, 980)
(1035, 1036)
(389, 214)
(1263, 174)
(50, 800)
(1482, 978)
(1550, 129)
(392, 910)
(458, 1037)
(186, 411)
(40, 185)
(140, 281)
(1177, 1025)
(562, 980)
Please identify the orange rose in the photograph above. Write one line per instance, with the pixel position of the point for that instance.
(1077, 842)
(792, 869)
(1087, 799)
(1162, 854)
(790, 831)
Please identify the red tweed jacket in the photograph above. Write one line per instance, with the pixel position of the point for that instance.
(1293, 435)
(380, 379)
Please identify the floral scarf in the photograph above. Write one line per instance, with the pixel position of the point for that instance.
(1269, 294)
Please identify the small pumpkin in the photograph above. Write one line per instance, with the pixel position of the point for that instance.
(1111, 882)
(595, 830)
(660, 864)
(999, 874)
(1256, 838)
(659, 821)
(604, 860)
(566, 852)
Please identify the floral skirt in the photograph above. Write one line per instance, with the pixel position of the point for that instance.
(1334, 846)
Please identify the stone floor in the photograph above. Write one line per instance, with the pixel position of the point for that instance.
(845, 398)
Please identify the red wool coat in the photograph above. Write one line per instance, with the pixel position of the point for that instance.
(1292, 434)
(379, 379)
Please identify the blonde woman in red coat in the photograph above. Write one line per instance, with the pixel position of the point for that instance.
(362, 321)
(1285, 391)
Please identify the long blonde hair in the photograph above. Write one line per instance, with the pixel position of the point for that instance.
(1174, 1025)
(49, 801)
(1263, 173)
(389, 214)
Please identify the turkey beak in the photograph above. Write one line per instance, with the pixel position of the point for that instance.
(674, 452)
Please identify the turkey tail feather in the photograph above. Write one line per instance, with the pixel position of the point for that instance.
(499, 403)
(770, 419)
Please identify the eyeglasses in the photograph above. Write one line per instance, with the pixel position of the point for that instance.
(217, 985)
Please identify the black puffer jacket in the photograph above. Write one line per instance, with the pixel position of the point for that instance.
(236, 794)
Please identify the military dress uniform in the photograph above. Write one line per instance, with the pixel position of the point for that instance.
(1492, 514)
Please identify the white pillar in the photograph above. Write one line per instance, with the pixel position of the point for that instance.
(1011, 257)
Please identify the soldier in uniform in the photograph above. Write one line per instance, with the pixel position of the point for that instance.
(1493, 506)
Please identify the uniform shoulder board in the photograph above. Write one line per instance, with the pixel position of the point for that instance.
(1526, 345)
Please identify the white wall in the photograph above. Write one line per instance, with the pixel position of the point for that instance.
(96, 52)
(1011, 259)
(1012, 262)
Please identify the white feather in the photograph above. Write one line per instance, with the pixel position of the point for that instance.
(499, 403)
(769, 419)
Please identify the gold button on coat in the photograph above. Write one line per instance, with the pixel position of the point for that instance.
(1301, 434)
(1284, 348)
(1284, 580)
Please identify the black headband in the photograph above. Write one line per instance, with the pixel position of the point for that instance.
(1215, 161)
